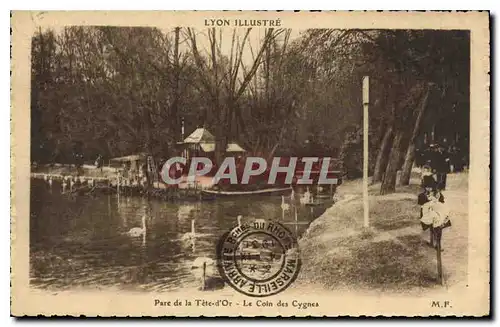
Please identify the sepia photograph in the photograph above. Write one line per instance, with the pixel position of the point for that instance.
(246, 163)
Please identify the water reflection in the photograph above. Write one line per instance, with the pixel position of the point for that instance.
(132, 242)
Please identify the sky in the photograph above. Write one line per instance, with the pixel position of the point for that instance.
(254, 39)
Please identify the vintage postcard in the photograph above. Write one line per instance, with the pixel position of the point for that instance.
(247, 164)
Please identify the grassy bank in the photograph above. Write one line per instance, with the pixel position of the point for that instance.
(392, 254)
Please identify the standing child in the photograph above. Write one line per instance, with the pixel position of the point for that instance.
(426, 173)
(434, 214)
(428, 183)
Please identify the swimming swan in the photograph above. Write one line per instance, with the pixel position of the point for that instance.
(209, 283)
(190, 235)
(138, 231)
(306, 198)
(284, 206)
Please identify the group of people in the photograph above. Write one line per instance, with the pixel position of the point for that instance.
(440, 161)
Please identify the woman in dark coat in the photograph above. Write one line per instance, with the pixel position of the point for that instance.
(441, 165)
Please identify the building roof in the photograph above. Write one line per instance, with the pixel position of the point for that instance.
(231, 147)
(200, 135)
(132, 157)
(206, 140)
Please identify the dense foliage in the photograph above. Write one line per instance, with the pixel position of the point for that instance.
(116, 91)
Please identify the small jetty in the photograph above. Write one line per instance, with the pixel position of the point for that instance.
(267, 191)
(60, 177)
(87, 185)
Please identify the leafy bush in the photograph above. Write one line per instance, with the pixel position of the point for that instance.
(351, 152)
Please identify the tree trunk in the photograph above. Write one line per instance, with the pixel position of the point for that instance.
(407, 165)
(175, 102)
(410, 152)
(389, 181)
(220, 135)
(382, 156)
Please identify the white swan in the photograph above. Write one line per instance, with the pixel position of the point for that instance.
(135, 232)
(198, 262)
(209, 283)
(296, 223)
(306, 198)
(284, 206)
(138, 231)
(190, 235)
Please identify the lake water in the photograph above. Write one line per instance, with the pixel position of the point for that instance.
(82, 241)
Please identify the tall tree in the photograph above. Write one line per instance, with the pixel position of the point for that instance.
(224, 79)
(410, 151)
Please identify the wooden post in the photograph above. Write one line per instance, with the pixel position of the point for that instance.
(366, 101)
(438, 233)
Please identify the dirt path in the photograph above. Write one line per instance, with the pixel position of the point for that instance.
(455, 239)
(393, 254)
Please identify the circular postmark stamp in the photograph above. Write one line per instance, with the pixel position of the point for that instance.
(259, 258)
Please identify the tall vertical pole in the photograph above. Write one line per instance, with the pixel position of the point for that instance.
(182, 129)
(175, 102)
(437, 236)
(366, 101)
